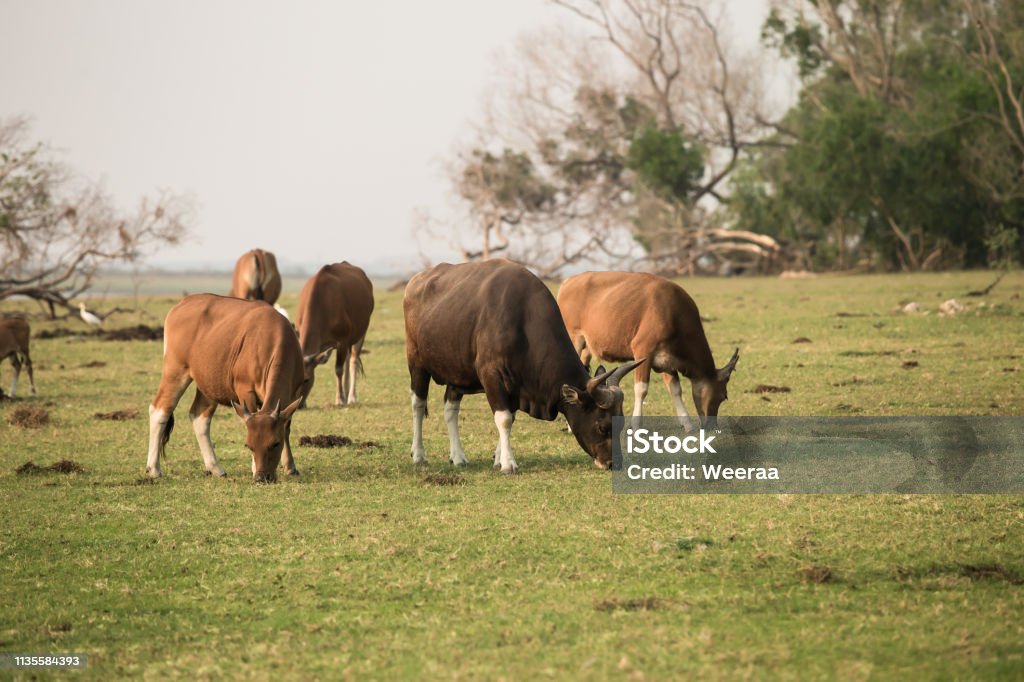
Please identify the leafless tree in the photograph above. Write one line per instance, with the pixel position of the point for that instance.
(57, 231)
(565, 100)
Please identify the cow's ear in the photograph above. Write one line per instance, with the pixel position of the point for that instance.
(317, 358)
(572, 395)
(287, 412)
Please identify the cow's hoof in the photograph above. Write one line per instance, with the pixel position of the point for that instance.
(460, 464)
(154, 473)
(293, 472)
(510, 471)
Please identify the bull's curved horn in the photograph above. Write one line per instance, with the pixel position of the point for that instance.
(723, 374)
(600, 375)
(616, 375)
(241, 409)
(276, 412)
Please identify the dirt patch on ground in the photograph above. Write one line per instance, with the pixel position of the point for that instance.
(801, 339)
(65, 466)
(693, 544)
(816, 574)
(29, 417)
(139, 332)
(329, 440)
(973, 572)
(118, 415)
(325, 440)
(909, 364)
(864, 353)
(444, 479)
(93, 363)
(768, 388)
(616, 604)
(991, 572)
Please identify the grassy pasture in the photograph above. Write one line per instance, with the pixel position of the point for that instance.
(367, 567)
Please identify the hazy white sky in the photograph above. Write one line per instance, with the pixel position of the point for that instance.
(310, 128)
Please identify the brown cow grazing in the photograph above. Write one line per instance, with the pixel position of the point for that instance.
(618, 316)
(493, 327)
(256, 277)
(239, 353)
(14, 333)
(334, 313)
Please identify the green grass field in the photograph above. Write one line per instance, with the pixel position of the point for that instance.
(365, 567)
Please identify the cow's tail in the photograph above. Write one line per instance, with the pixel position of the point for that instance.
(357, 353)
(257, 275)
(167, 434)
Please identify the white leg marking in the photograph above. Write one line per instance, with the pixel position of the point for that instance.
(497, 455)
(457, 455)
(639, 393)
(157, 423)
(14, 382)
(503, 420)
(677, 399)
(419, 408)
(201, 425)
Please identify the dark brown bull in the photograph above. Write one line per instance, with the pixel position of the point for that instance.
(239, 353)
(334, 313)
(14, 335)
(494, 328)
(256, 277)
(618, 316)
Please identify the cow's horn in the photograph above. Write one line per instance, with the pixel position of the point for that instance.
(616, 375)
(723, 374)
(242, 409)
(599, 378)
(277, 410)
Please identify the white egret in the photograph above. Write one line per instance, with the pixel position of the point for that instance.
(88, 317)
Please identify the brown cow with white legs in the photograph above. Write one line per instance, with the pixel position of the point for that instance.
(493, 327)
(256, 277)
(14, 334)
(239, 353)
(334, 313)
(618, 316)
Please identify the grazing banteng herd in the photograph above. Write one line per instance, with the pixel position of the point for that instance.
(256, 277)
(238, 353)
(334, 313)
(488, 327)
(494, 328)
(14, 333)
(618, 316)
